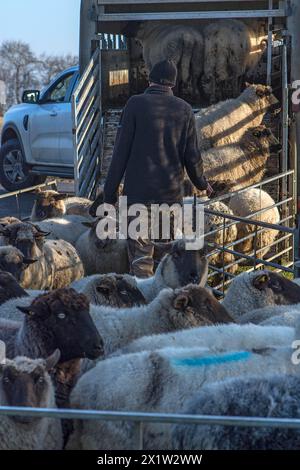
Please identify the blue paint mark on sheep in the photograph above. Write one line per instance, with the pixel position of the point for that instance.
(212, 360)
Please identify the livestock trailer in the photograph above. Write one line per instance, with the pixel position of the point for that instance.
(113, 69)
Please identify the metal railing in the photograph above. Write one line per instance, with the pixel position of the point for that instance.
(16, 194)
(87, 128)
(140, 419)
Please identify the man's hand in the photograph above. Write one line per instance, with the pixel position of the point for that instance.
(209, 190)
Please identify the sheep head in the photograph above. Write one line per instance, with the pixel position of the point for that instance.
(277, 289)
(117, 291)
(26, 383)
(61, 320)
(181, 267)
(14, 262)
(265, 139)
(47, 205)
(28, 238)
(195, 306)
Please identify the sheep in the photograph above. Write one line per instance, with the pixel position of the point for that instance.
(4, 222)
(69, 228)
(102, 256)
(60, 319)
(181, 44)
(14, 262)
(9, 287)
(277, 315)
(217, 338)
(250, 202)
(110, 290)
(26, 383)
(231, 49)
(58, 263)
(258, 289)
(55, 320)
(213, 223)
(177, 269)
(160, 381)
(225, 123)
(52, 205)
(236, 166)
(274, 396)
(172, 310)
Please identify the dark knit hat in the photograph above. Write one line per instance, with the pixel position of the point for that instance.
(164, 73)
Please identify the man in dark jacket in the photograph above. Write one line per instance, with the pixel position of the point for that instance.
(155, 144)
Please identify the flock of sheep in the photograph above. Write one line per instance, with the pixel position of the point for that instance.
(110, 341)
(214, 59)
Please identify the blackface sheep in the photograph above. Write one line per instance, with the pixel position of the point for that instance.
(26, 383)
(58, 263)
(52, 205)
(180, 43)
(14, 262)
(4, 222)
(225, 123)
(218, 338)
(183, 308)
(231, 49)
(160, 381)
(112, 290)
(248, 203)
(266, 397)
(258, 289)
(9, 288)
(236, 166)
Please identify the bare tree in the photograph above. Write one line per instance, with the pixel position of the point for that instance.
(54, 64)
(19, 69)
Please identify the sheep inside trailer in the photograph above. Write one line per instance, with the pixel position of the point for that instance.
(118, 69)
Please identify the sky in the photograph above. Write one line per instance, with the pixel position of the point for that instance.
(50, 26)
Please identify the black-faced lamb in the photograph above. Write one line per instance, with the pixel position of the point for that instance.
(258, 289)
(4, 222)
(111, 290)
(247, 203)
(26, 383)
(162, 381)
(171, 310)
(58, 263)
(225, 123)
(276, 396)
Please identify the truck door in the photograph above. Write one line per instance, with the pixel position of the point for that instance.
(48, 124)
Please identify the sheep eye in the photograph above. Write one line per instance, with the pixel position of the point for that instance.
(40, 380)
(6, 380)
(61, 316)
(123, 292)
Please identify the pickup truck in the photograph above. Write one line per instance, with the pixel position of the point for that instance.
(36, 138)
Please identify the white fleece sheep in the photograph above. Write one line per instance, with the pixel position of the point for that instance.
(259, 289)
(33, 434)
(218, 338)
(161, 381)
(69, 228)
(226, 122)
(250, 202)
(275, 396)
(231, 49)
(51, 204)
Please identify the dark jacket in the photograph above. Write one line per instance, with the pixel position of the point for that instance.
(156, 141)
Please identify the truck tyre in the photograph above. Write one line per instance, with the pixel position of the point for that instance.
(14, 173)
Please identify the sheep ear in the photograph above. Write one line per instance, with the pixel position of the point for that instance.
(181, 302)
(261, 282)
(27, 311)
(52, 360)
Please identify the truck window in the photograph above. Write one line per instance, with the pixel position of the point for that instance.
(58, 92)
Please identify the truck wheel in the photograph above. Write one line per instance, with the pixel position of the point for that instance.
(14, 173)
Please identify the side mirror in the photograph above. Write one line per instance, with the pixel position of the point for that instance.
(31, 96)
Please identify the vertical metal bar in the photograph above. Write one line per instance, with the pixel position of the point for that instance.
(75, 146)
(139, 435)
(223, 255)
(270, 45)
(285, 112)
(18, 206)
